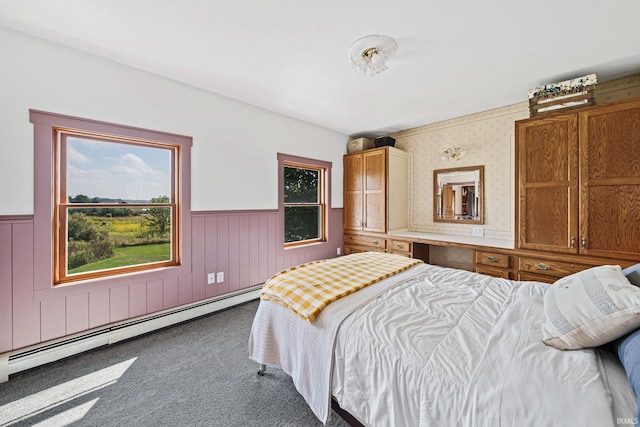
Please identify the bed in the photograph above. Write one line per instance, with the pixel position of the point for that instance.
(435, 346)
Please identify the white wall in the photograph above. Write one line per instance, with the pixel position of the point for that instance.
(234, 163)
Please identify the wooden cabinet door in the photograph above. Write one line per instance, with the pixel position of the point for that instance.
(375, 191)
(448, 202)
(353, 195)
(547, 171)
(610, 181)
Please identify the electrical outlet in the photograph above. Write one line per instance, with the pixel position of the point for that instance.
(211, 278)
(338, 251)
(220, 277)
(477, 231)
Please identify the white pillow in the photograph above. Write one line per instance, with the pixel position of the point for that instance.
(590, 308)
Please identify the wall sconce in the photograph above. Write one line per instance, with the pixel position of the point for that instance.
(455, 153)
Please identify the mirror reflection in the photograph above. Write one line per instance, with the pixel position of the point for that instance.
(458, 195)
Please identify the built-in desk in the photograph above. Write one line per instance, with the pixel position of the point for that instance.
(489, 256)
(452, 240)
(473, 253)
(493, 257)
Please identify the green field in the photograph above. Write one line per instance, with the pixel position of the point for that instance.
(125, 231)
(129, 255)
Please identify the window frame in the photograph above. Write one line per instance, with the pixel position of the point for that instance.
(46, 126)
(62, 205)
(324, 185)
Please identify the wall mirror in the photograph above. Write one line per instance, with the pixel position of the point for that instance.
(458, 195)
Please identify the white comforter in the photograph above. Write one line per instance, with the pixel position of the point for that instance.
(461, 349)
(435, 347)
(304, 350)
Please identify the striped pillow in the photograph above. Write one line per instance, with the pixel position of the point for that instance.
(590, 308)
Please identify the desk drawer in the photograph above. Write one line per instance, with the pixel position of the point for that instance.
(493, 259)
(399, 245)
(550, 267)
(495, 272)
(355, 239)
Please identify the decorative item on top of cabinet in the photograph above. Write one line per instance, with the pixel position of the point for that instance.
(578, 186)
(382, 141)
(565, 95)
(359, 144)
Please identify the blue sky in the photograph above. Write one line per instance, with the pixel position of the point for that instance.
(118, 171)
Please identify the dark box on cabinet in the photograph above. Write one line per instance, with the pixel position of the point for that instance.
(382, 141)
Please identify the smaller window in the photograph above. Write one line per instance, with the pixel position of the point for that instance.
(305, 207)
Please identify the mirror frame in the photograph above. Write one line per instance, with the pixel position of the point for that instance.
(480, 186)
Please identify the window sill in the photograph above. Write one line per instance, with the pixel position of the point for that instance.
(106, 283)
(305, 245)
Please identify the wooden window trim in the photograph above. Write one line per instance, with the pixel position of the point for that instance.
(325, 195)
(322, 203)
(45, 125)
(61, 197)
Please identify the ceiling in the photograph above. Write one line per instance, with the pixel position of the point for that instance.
(291, 56)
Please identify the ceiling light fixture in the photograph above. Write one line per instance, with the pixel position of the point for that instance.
(455, 153)
(370, 54)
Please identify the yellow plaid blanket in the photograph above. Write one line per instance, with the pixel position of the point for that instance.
(308, 288)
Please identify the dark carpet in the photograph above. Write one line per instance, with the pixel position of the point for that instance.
(193, 374)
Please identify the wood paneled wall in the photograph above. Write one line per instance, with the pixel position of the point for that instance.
(242, 245)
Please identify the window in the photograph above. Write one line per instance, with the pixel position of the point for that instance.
(304, 201)
(117, 204)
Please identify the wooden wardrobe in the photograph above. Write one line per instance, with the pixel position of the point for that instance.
(578, 186)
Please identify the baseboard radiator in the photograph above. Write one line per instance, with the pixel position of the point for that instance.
(50, 351)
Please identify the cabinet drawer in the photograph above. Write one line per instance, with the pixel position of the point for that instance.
(493, 259)
(348, 249)
(532, 277)
(405, 254)
(552, 268)
(355, 239)
(495, 272)
(399, 245)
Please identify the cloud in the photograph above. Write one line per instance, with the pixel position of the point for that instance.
(74, 156)
(130, 164)
(117, 171)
